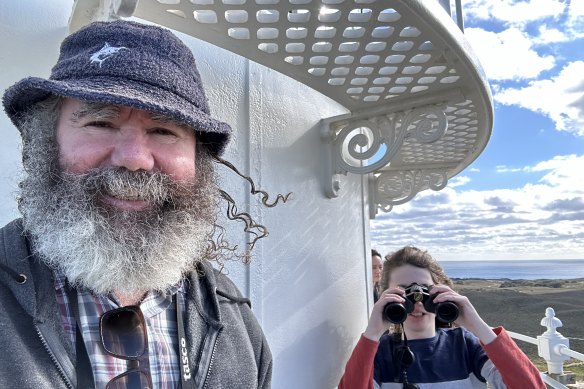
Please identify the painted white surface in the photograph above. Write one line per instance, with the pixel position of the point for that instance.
(308, 280)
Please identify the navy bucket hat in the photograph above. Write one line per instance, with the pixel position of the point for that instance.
(131, 64)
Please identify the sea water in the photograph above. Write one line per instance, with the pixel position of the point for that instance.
(517, 269)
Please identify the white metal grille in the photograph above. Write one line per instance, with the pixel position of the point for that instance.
(360, 53)
(453, 147)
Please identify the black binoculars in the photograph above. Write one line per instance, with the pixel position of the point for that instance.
(397, 313)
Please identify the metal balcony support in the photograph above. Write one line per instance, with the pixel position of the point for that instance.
(395, 188)
(367, 142)
(380, 137)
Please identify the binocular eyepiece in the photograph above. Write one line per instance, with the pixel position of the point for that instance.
(397, 313)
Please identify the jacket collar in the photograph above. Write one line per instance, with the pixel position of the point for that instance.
(18, 258)
(202, 286)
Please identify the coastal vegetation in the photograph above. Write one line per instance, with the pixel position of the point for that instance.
(519, 306)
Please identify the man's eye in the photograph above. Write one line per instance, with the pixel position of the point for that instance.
(163, 131)
(99, 124)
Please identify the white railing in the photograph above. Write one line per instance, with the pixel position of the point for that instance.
(553, 347)
(446, 4)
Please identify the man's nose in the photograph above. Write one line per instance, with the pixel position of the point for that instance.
(131, 150)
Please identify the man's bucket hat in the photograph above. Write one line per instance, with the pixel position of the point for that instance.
(131, 64)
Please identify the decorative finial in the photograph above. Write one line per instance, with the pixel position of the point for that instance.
(551, 322)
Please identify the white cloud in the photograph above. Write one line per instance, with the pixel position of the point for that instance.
(506, 169)
(576, 9)
(508, 55)
(560, 98)
(549, 35)
(513, 11)
(562, 170)
(542, 220)
(459, 181)
(513, 54)
(576, 17)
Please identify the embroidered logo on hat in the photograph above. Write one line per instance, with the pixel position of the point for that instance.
(105, 52)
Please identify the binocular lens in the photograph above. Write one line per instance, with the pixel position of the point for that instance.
(447, 312)
(395, 313)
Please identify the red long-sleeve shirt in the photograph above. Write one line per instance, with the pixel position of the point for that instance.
(515, 368)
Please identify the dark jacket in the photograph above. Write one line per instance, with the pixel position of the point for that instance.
(227, 346)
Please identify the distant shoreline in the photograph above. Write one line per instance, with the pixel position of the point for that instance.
(515, 270)
(515, 280)
(509, 260)
(539, 286)
(541, 281)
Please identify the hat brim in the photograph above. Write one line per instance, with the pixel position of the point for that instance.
(116, 91)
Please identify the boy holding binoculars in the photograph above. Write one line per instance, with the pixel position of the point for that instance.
(423, 349)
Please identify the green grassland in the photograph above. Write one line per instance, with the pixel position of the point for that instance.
(519, 306)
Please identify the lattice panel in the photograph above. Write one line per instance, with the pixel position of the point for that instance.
(453, 148)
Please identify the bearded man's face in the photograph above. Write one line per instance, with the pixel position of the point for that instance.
(116, 198)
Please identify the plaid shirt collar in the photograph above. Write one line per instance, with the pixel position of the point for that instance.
(61, 284)
(160, 315)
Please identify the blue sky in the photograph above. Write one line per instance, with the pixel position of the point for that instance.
(523, 198)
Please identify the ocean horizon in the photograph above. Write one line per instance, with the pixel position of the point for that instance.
(555, 269)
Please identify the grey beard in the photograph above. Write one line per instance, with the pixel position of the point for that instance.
(106, 250)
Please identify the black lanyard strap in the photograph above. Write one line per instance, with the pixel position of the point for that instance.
(186, 375)
(82, 365)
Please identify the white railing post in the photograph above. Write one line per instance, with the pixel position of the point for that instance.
(551, 342)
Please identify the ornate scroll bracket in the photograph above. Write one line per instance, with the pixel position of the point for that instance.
(366, 144)
(398, 187)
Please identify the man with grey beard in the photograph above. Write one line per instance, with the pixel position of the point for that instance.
(105, 281)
